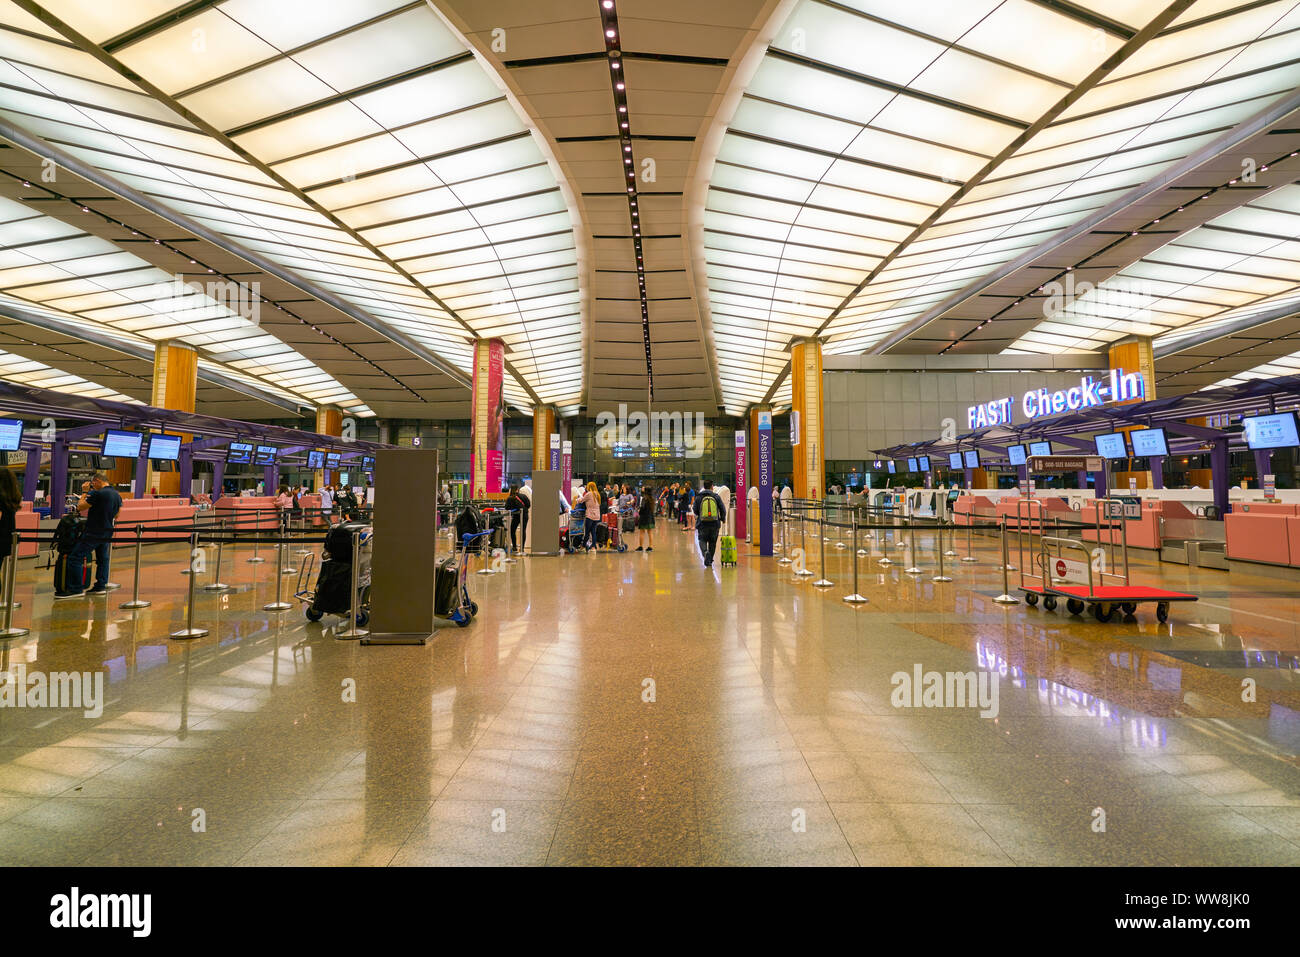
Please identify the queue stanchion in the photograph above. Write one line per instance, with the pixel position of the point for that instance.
(136, 601)
(4, 576)
(912, 568)
(803, 546)
(942, 576)
(354, 630)
(10, 582)
(969, 557)
(862, 552)
(279, 604)
(785, 552)
(290, 570)
(1006, 598)
(884, 546)
(302, 527)
(823, 582)
(189, 631)
(216, 584)
(856, 598)
(256, 559)
(1006, 557)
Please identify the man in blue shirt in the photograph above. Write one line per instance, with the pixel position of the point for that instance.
(100, 506)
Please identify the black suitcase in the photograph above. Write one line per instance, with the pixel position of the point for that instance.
(333, 588)
(601, 537)
(469, 522)
(445, 582)
(61, 572)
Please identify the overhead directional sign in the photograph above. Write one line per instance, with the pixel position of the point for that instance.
(1066, 463)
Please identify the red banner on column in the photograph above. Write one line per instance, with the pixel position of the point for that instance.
(487, 458)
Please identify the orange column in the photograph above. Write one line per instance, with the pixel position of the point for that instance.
(807, 437)
(175, 385)
(329, 421)
(1134, 355)
(543, 427)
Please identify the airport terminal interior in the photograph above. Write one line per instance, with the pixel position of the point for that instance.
(648, 433)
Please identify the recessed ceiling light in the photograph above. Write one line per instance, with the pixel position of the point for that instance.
(608, 4)
(620, 86)
(614, 65)
(622, 109)
(624, 125)
(610, 34)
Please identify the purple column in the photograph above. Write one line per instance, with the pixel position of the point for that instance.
(1101, 486)
(1022, 478)
(1263, 464)
(185, 465)
(31, 475)
(1082, 478)
(969, 476)
(1157, 464)
(218, 476)
(141, 476)
(270, 479)
(1219, 475)
(58, 476)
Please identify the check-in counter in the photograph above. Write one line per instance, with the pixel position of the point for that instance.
(1261, 536)
(248, 512)
(1141, 532)
(973, 509)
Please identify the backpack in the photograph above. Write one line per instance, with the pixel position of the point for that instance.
(709, 509)
(68, 532)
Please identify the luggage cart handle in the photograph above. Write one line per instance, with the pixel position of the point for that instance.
(1045, 557)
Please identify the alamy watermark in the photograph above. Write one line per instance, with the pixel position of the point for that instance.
(1116, 298)
(241, 298)
(679, 431)
(59, 689)
(946, 689)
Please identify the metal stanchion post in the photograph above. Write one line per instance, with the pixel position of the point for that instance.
(803, 546)
(279, 604)
(952, 542)
(136, 601)
(884, 545)
(302, 527)
(785, 552)
(10, 581)
(256, 559)
(4, 573)
(941, 577)
(969, 557)
(354, 630)
(856, 598)
(912, 568)
(216, 584)
(823, 582)
(189, 631)
(291, 570)
(1006, 598)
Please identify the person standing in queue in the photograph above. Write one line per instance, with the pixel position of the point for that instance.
(645, 521)
(517, 505)
(101, 507)
(711, 513)
(590, 502)
(11, 500)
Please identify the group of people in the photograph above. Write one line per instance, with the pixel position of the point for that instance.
(334, 500)
(703, 511)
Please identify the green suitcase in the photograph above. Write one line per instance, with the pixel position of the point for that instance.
(727, 547)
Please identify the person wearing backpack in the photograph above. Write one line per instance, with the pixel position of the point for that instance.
(710, 513)
(101, 507)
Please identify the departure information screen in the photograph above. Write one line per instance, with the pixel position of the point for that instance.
(954, 460)
(1017, 454)
(1148, 442)
(1110, 445)
(164, 448)
(11, 434)
(122, 445)
(972, 458)
(1276, 431)
(1040, 448)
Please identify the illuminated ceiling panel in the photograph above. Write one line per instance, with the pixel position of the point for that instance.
(1240, 263)
(357, 143)
(872, 169)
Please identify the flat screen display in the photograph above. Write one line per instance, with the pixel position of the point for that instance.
(332, 460)
(1111, 445)
(368, 463)
(972, 458)
(1040, 448)
(911, 465)
(924, 462)
(1017, 454)
(11, 435)
(893, 468)
(316, 459)
(1147, 442)
(1277, 431)
(265, 455)
(954, 460)
(164, 448)
(125, 445)
(952, 495)
(239, 453)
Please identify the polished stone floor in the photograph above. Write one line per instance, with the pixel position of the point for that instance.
(638, 709)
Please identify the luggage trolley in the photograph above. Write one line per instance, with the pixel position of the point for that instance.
(332, 594)
(1102, 594)
(451, 591)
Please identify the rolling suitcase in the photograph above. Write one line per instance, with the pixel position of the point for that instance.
(727, 549)
(61, 572)
(446, 579)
